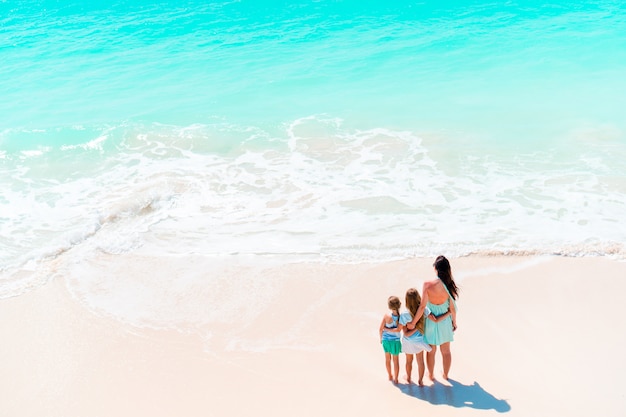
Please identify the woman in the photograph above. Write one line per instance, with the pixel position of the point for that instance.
(439, 296)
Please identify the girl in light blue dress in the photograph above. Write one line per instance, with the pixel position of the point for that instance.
(413, 343)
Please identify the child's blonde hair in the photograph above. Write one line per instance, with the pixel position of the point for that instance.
(394, 303)
(413, 301)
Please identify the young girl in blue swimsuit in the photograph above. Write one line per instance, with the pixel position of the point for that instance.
(389, 332)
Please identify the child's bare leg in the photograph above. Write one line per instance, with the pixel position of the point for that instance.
(420, 367)
(396, 366)
(388, 365)
(447, 359)
(409, 367)
(430, 362)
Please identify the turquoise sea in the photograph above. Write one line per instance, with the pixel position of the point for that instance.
(324, 130)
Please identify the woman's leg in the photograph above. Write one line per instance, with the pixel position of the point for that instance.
(447, 359)
(430, 362)
(420, 367)
(409, 366)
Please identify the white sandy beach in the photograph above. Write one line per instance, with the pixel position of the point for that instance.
(536, 336)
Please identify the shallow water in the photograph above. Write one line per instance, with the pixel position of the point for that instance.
(335, 131)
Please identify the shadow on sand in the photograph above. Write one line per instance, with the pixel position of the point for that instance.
(456, 395)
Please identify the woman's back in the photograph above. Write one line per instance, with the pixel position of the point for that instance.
(437, 293)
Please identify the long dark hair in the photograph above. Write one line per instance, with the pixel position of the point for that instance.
(444, 272)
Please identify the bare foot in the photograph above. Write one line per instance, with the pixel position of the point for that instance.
(420, 383)
(408, 380)
(390, 378)
(395, 381)
(431, 377)
(445, 377)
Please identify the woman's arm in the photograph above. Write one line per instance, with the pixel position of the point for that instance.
(452, 311)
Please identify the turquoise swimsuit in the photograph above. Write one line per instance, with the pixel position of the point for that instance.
(394, 325)
(391, 340)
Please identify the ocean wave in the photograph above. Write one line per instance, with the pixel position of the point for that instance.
(313, 187)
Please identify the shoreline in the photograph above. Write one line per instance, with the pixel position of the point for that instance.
(311, 348)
